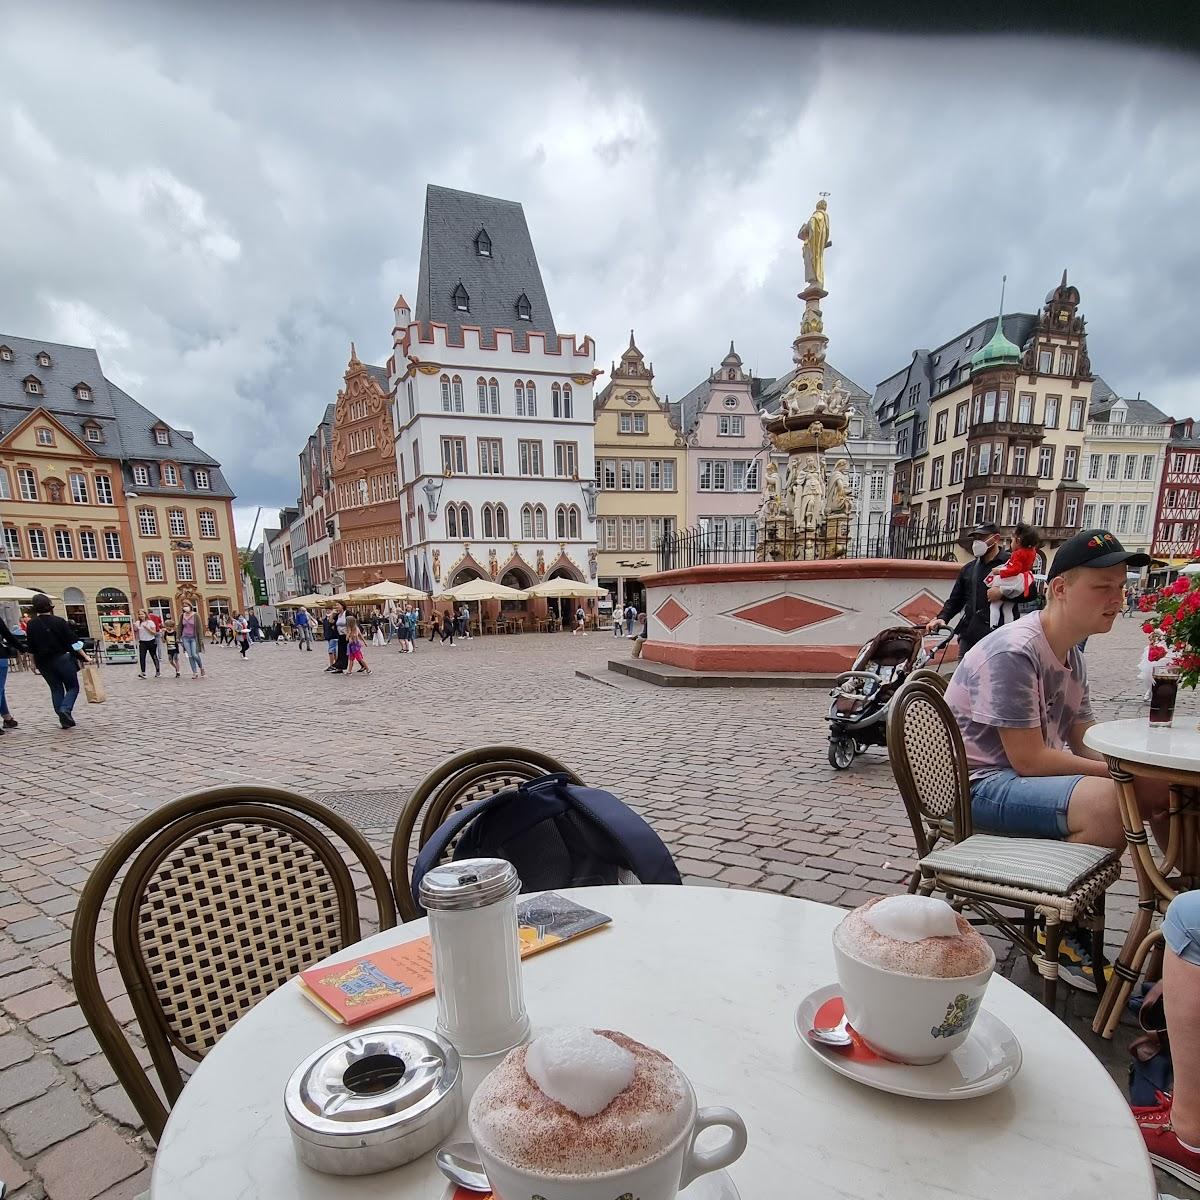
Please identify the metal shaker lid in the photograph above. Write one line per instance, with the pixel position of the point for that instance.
(469, 883)
(373, 1088)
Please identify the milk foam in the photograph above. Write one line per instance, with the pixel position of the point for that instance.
(517, 1122)
(912, 918)
(580, 1069)
(956, 956)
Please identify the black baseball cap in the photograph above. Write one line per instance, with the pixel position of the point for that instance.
(987, 529)
(1094, 548)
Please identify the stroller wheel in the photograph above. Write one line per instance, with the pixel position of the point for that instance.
(841, 752)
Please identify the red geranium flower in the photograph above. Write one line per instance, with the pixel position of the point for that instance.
(1156, 652)
(1148, 628)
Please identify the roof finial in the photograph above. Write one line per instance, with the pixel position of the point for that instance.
(353, 353)
(1064, 278)
(732, 351)
(631, 345)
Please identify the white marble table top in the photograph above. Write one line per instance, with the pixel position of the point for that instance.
(1176, 747)
(711, 977)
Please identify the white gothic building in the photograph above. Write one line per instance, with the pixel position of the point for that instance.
(493, 408)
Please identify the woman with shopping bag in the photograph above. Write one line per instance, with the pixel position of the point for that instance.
(57, 653)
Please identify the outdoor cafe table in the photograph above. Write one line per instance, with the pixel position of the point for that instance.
(1135, 748)
(712, 977)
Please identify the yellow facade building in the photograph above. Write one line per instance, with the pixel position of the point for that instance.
(104, 505)
(641, 469)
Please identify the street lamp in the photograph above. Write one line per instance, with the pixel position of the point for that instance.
(590, 490)
(433, 491)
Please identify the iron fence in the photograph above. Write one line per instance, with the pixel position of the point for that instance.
(876, 536)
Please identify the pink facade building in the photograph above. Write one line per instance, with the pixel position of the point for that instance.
(727, 455)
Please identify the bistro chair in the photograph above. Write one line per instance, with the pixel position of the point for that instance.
(929, 675)
(227, 894)
(1060, 882)
(457, 782)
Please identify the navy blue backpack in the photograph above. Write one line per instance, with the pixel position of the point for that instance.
(557, 834)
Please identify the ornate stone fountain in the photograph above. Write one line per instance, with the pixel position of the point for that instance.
(808, 514)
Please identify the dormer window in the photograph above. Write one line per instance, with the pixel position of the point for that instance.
(43, 359)
(202, 480)
(460, 299)
(524, 309)
(33, 385)
(483, 244)
(93, 433)
(45, 436)
(82, 391)
(141, 476)
(170, 475)
(161, 436)
(5, 354)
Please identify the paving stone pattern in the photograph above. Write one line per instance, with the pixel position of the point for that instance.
(736, 782)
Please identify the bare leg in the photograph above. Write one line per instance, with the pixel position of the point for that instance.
(1094, 817)
(1181, 995)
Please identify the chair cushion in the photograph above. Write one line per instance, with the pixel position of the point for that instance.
(1035, 863)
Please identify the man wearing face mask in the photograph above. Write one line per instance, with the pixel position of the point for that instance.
(969, 594)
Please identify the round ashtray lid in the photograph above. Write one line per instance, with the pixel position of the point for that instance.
(375, 1086)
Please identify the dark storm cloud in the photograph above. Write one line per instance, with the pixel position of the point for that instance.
(221, 201)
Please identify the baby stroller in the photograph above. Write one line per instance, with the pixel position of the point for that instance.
(859, 707)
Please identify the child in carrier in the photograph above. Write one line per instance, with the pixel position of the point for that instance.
(1015, 577)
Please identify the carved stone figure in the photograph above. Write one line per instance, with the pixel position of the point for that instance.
(769, 509)
(493, 564)
(839, 502)
(437, 565)
(791, 485)
(541, 563)
(593, 566)
(814, 233)
(810, 497)
(811, 322)
(838, 400)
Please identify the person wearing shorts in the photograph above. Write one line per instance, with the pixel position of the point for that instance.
(1172, 1127)
(1020, 697)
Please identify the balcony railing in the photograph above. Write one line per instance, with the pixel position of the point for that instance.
(1010, 429)
(1116, 430)
(1016, 483)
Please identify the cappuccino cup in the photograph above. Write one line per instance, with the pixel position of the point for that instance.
(911, 995)
(642, 1143)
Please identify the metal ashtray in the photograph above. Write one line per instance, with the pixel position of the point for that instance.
(374, 1100)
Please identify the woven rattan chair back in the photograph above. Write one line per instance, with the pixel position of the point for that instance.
(929, 762)
(226, 895)
(459, 781)
(930, 676)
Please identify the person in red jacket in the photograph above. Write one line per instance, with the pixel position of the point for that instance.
(1015, 577)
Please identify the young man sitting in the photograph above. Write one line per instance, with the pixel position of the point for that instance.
(1021, 700)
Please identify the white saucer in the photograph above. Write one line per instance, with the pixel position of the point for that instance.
(986, 1061)
(716, 1185)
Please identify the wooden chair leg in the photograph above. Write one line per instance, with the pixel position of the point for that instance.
(1048, 964)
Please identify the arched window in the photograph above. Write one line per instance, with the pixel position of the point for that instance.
(526, 521)
(530, 400)
(481, 388)
(445, 393)
(556, 401)
(494, 396)
(489, 529)
(560, 521)
(573, 521)
(501, 521)
(520, 391)
(458, 394)
(464, 521)
(451, 521)
(539, 521)
(567, 401)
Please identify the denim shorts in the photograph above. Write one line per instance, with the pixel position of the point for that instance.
(1022, 806)
(331, 645)
(1181, 926)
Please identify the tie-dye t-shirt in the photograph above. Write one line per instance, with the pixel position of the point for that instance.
(1012, 680)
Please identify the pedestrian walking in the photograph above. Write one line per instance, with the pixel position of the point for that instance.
(464, 621)
(10, 646)
(191, 637)
(214, 625)
(303, 629)
(408, 630)
(354, 648)
(618, 629)
(435, 625)
(630, 618)
(449, 624)
(57, 653)
(242, 633)
(170, 641)
(340, 624)
(253, 626)
(580, 622)
(147, 635)
(330, 634)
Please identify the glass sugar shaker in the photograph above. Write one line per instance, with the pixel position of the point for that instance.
(472, 907)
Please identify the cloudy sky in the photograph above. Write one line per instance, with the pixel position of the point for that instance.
(221, 202)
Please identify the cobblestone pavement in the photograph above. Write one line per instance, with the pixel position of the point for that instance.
(736, 782)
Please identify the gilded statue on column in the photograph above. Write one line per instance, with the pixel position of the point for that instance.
(814, 233)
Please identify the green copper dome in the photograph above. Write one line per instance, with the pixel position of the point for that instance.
(999, 352)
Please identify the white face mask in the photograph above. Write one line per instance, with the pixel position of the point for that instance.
(979, 549)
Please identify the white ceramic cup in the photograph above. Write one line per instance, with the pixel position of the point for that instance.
(673, 1169)
(909, 1018)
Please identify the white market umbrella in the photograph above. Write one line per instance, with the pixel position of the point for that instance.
(554, 588)
(10, 591)
(302, 601)
(1191, 569)
(479, 590)
(386, 590)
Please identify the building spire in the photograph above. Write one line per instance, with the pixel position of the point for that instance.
(353, 353)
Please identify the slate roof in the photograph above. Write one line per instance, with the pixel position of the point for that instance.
(1139, 412)
(493, 283)
(928, 367)
(380, 375)
(772, 390)
(69, 366)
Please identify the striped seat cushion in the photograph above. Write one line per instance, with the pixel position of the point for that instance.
(1037, 863)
